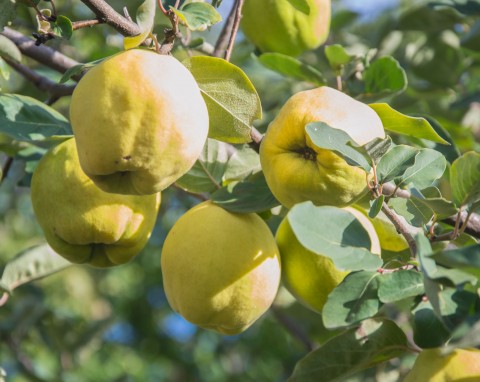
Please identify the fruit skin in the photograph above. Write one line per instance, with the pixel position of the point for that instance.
(226, 275)
(80, 221)
(309, 277)
(140, 122)
(276, 26)
(432, 366)
(296, 170)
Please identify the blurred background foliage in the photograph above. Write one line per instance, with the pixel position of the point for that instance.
(84, 324)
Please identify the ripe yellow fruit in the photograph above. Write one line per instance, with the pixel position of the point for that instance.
(296, 170)
(221, 270)
(277, 26)
(140, 122)
(309, 277)
(432, 366)
(80, 221)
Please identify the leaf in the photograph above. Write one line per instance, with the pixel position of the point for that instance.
(432, 198)
(207, 172)
(291, 67)
(395, 162)
(326, 137)
(301, 5)
(471, 39)
(145, 18)
(7, 12)
(399, 285)
(353, 300)
(244, 162)
(377, 148)
(77, 70)
(385, 76)
(428, 328)
(250, 195)
(421, 18)
(373, 342)
(197, 16)
(402, 124)
(466, 259)
(468, 7)
(376, 206)
(335, 233)
(465, 179)
(232, 101)
(32, 264)
(9, 50)
(415, 213)
(429, 166)
(63, 27)
(26, 119)
(337, 56)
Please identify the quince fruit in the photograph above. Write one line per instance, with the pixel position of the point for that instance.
(296, 170)
(310, 277)
(139, 121)
(277, 26)
(460, 365)
(80, 221)
(221, 270)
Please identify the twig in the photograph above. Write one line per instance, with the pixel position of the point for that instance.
(42, 83)
(85, 23)
(293, 328)
(401, 228)
(223, 39)
(236, 25)
(108, 15)
(256, 139)
(6, 168)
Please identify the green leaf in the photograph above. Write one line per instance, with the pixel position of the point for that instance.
(353, 300)
(402, 124)
(244, 162)
(428, 329)
(376, 206)
(471, 39)
(335, 233)
(292, 67)
(429, 166)
(249, 195)
(207, 172)
(26, 119)
(465, 179)
(399, 285)
(422, 18)
(466, 259)
(337, 56)
(77, 70)
(467, 7)
(232, 101)
(301, 5)
(377, 148)
(432, 198)
(32, 264)
(7, 12)
(63, 27)
(145, 19)
(395, 162)
(197, 16)
(9, 50)
(415, 213)
(326, 137)
(385, 76)
(373, 342)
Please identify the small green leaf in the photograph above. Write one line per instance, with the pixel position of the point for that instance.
(9, 50)
(326, 137)
(232, 101)
(373, 342)
(335, 233)
(399, 285)
(354, 300)
(428, 329)
(465, 179)
(77, 70)
(432, 198)
(402, 124)
(385, 76)
(466, 259)
(337, 56)
(301, 5)
(26, 119)
(207, 172)
(244, 162)
(428, 167)
(291, 67)
(249, 195)
(63, 27)
(197, 16)
(32, 264)
(395, 162)
(415, 213)
(145, 19)
(376, 206)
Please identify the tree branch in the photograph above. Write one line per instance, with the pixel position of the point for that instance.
(108, 15)
(222, 42)
(85, 23)
(236, 24)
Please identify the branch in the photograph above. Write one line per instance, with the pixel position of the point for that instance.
(42, 83)
(236, 25)
(292, 327)
(393, 217)
(85, 23)
(108, 15)
(223, 39)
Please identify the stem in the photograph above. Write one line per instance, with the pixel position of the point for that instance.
(236, 24)
(256, 139)
(401, 228)
(223, 39)
(339, 83)
(293, 328)
(85, 23)
(162, 8)
(6, 168)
